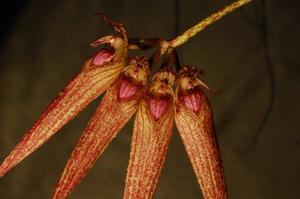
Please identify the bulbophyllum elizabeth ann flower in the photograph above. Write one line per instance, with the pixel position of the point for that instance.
(156, 106)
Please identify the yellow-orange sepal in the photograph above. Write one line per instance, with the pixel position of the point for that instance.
(194, 120)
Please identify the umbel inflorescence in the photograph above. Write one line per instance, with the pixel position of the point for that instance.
(171, 94)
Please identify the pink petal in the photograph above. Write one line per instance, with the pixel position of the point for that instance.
(127, 89)
(157, 107)
(103, 56)
(192, 101)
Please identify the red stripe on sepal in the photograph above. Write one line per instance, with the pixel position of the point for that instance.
(111, 115)
(194, 120)
(149, 146)
(87, 85)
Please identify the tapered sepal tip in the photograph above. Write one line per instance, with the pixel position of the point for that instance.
(1, 172)
(193, 118)
(197, 133)
(149, 145)
(111, 115)
(88, 84)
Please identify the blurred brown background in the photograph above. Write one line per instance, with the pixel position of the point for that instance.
(250, 55)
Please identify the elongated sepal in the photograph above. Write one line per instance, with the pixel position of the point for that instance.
(109, 118)
(194, 120)
(151, 136)
(89, 83)
(150, 141)
(111, 115)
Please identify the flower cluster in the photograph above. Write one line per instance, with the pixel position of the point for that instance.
(171, 95)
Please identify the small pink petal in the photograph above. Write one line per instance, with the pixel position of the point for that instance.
(157, 106)
(127, 89)
(192, 101)
(104, 55)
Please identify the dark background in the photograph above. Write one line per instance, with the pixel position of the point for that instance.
(250, 55)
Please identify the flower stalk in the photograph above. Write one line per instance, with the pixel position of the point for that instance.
(167, 46)
(186, 35)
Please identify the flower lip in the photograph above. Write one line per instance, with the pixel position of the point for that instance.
(158, 107)
(192, 101)
(104, 56)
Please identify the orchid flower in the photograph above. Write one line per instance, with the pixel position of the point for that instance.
(156, 106)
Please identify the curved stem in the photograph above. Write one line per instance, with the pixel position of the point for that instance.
(181, 39)
(169, 46)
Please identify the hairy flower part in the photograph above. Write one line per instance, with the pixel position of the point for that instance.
(160, 92)
(93, 79)
(118, 44)
(194, 120)
(151, 137)
(118, 27)
(134, 77)
(112, 114)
